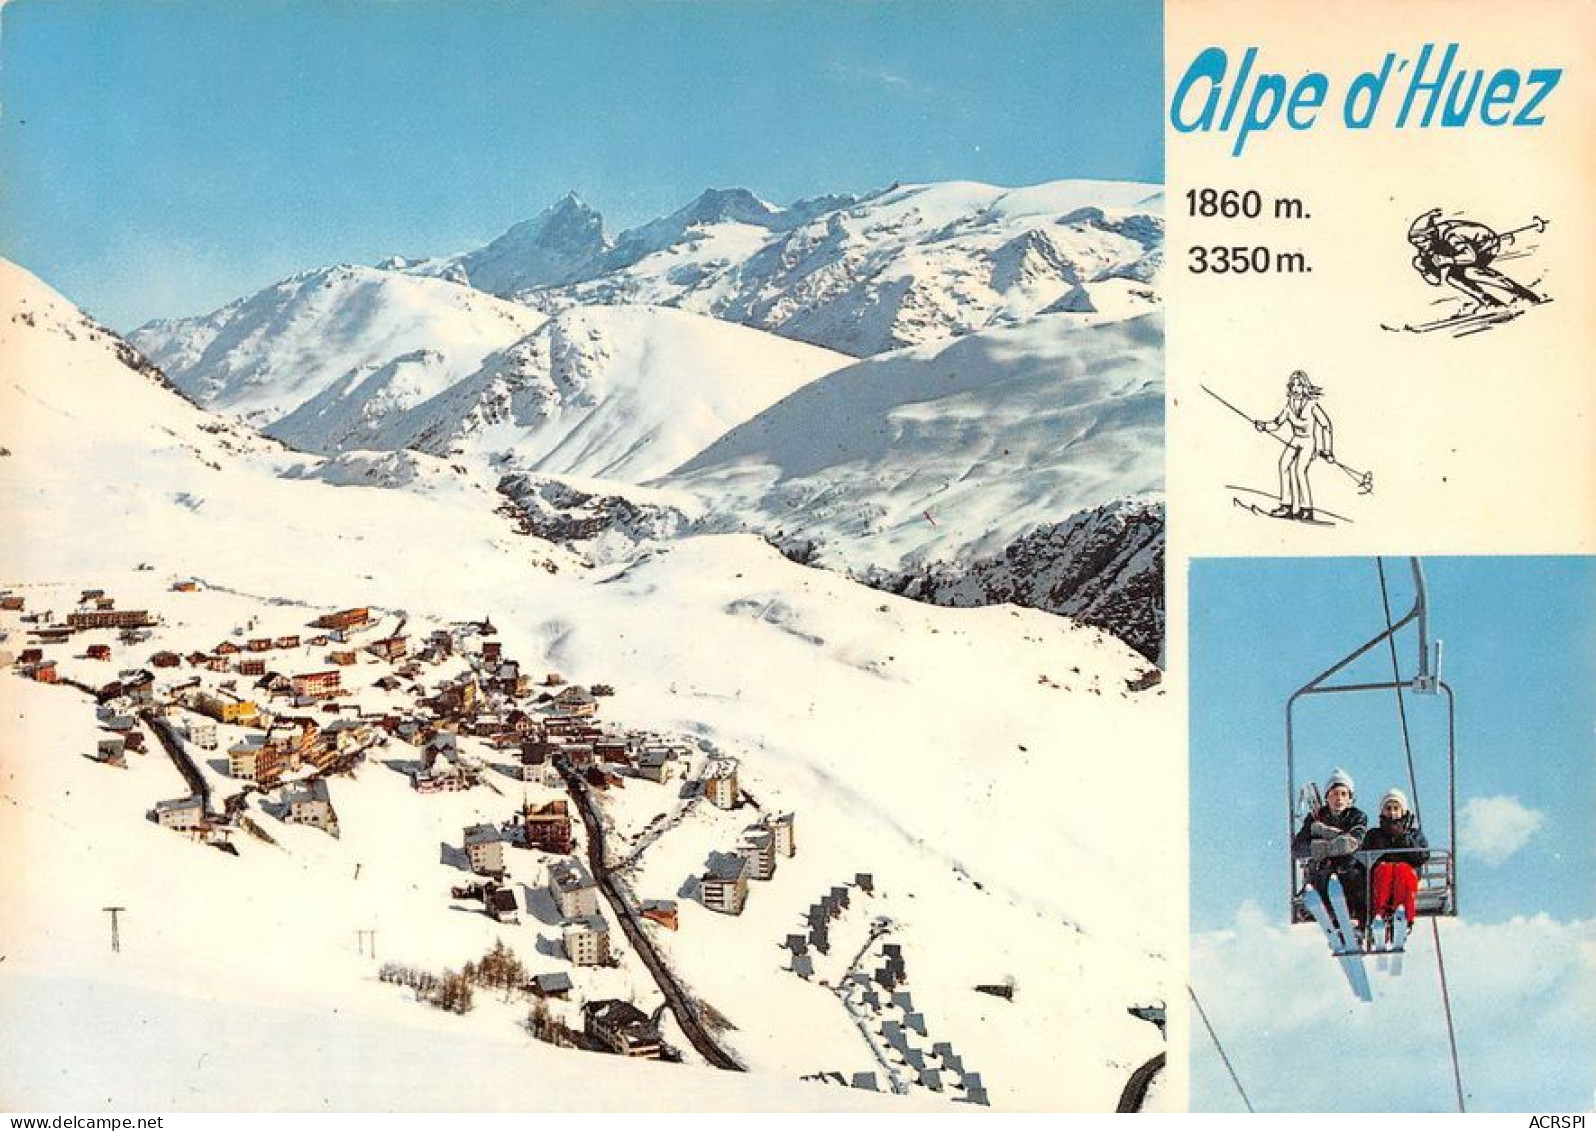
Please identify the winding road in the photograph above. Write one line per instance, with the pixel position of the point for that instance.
(680, 1002)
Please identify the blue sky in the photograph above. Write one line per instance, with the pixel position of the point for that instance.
(1520, 653)
(163, 158)
(1519, 638)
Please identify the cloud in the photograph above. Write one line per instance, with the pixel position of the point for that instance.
(874, 74)
(1522, 992)
(1491, 829)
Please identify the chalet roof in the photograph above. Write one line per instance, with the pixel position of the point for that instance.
(178, 803)
(615, 1015)
(558, 983)
(481, 834)
(306, 792)
(593, 924)
(502, 899)
(568, 876)
(724, 868)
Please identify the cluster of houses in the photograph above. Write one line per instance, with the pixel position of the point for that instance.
(285, 724)
(817, 923)
(723, 886)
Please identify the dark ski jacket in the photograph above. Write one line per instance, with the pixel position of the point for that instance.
(1350, 821)
(1404, 832)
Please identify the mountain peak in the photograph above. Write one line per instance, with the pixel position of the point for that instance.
(738, 204)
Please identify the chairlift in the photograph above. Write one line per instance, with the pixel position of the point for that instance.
(1438, 891)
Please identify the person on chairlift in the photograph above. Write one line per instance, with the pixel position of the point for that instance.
(1394, 878)
(1329, 840)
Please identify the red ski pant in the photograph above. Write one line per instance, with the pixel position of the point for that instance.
(1394, 885)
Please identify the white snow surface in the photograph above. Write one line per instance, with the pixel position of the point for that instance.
(359, 342)
(624, 393)
(980, 763)
(952, 450)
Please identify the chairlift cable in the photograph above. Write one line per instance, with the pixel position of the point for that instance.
(1435, 927)
(1234, 1079)
(1396, 678)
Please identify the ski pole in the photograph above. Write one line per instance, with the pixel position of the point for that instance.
(1536, 224)
(1364, 479)
(1249, 419)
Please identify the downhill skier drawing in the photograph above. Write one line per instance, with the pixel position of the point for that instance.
(1460, 253)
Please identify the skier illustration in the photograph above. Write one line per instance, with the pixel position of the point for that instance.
(1459, 253)
(1309, 435)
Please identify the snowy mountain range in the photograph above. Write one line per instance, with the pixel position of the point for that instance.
(111, 479)
(985, 364)
(904, 266)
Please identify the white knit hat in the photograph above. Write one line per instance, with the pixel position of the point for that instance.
(1394, 794)
(1338, 776)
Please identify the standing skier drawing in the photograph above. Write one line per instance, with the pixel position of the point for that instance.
(1308, 435)
(1459, 254)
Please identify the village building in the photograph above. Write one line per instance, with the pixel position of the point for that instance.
(574, 892)
(661, 911)
(577, 701)
(343, 658)
(657, 763)
(260, 644)
(557, 985)
(226, 708)
(44, 672)
(317, 685)
(287, 642)
(254, 667)
(547, 827)
(389, 648)
(347, 618)
(138, 686)
(485, 849)
(11, 603)
(202, 733)
(99, 652)
(165, 659)
(183, 813)
(110, 751)
(110, 618)
(720, 788)
(781, 826)
(311, 804)
(499, 903)
(186, 585)
(622, 1028)
(757, 847)
(724, 887)
(346, 735)
(587, 941)
(243, 757)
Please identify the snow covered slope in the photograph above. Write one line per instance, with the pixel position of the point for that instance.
(903, 735)
(624, 392)
(948, 452)
(363, 342)
(910, 265)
